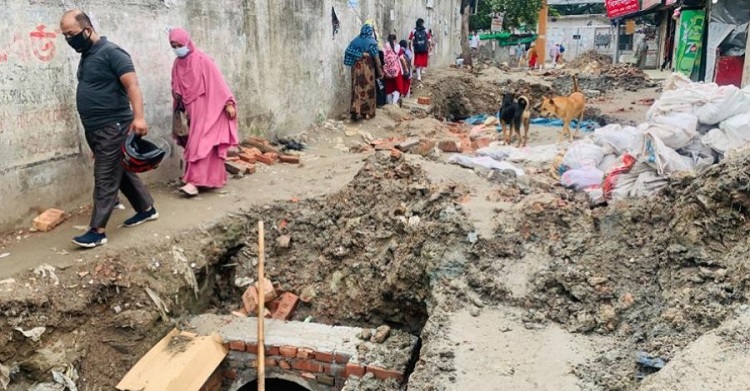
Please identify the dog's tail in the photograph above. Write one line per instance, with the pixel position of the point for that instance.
(523, 103)
(575, 84)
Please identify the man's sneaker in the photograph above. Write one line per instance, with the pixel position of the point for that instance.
(141, 217)
(90, 239)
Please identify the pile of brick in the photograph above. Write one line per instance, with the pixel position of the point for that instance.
(253, 151)
(277, 303)
(457, 138)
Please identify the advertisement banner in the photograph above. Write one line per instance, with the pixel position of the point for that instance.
(497, 23)
(619, 8)
(690, 44)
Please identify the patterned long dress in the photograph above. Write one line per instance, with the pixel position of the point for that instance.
(364, 89)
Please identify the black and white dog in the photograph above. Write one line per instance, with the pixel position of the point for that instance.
(514, 113)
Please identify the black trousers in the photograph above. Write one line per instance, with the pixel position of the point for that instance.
(109, 175)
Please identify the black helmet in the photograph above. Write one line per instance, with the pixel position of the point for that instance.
(140, 155)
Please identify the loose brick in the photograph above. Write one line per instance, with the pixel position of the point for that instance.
(233, 158)
(250, 299)
(234, 168)
(450, 146)
(385, 374)
(396, 154)
(251, 151)
(341, 358)
(424, 100)
(266, 159)
(425, 147)
(288, 351)
(248, 168)
(410, 143)
(289, 159)
(247, 158)
(354, 370)
(326, 380)
(283, 364)
(482, 142)
(238, 346)
(48, 220)
(268, 289)
(304, 353)
(324, 357)
(286, 306)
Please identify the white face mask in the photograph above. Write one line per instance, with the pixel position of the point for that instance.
(181, 52)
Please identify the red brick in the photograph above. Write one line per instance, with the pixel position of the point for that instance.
(272, 351)
(385, 374)
(324, 357)
(251, 348)
(283, 364)
(48, 220)
(234, 167)
(286, 306)
(265, 159)
(424, 100)
(249, 168)
(226, 345)
(271, 362)
(307, 366)
(450, 146)
(251, 151)
(269, 291)
(396, 154)
(238, 346)
(482, 142)
(307, 375)
(247, 158)
(425, 147)
(250, 299)
(233, 158)
(230, 374)
(305, 353)
(354, 370)
(289, 159)
(341, 358)
(288, 351)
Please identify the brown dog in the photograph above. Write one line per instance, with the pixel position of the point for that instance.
(566, 108)
(512, 115)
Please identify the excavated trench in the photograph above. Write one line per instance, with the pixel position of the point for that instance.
(365, 256)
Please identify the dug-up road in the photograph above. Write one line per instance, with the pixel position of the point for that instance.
(492, 349)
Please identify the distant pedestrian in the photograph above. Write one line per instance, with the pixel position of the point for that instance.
(409, 57)
(520, 50)
(554, 53)
(110, 104)
(474, 41)
(199, 87)
(421, 42)
(641, 52)
(380, 90)
(532, 56)
(363, 57)
(394, 71)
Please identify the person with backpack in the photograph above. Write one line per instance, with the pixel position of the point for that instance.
(409, 57)
(394, 70)
(421, 40)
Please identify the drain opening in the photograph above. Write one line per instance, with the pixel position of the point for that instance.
(274, 385)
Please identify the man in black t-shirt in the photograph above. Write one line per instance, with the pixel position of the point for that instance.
(110, 105)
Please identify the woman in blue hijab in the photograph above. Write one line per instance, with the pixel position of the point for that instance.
(362, 55)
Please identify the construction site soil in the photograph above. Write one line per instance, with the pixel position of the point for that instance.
(397, 246)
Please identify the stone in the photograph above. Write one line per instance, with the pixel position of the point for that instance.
(283, 241)
(381, 334)
(365, 335)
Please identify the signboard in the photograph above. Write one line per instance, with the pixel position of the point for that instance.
(689, 49)
(576, 37)
(619, 8)
(497, 23)
(573, 2)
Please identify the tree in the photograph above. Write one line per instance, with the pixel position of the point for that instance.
(579, 9)
(517, 13)
(465, 20)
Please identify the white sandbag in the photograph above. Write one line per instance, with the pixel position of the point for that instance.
(678, 132)
(484, 161)
(618, 139)
(664, 159)
(641, 181)
(583, 153)
(676, 81)
(686, 99)
(722, 104)
(497, 152)
(582, 178)
(732, 134)
(702, 155)
(609, 162)
(535, 154)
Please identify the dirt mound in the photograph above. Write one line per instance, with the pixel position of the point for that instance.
(659, 272)
(590, 62)
(365, 254)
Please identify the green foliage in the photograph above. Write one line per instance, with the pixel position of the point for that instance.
(517, 13)
(577, 9)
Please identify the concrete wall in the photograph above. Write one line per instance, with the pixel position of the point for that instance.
(280, 58)
(563, 29)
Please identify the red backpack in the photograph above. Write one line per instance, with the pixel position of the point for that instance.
(392, 64)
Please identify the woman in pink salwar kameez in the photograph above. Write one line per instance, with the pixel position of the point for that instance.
(198, 85)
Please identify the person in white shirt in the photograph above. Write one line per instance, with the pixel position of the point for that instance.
(474, 43)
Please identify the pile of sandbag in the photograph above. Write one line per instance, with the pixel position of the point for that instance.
(691, 126)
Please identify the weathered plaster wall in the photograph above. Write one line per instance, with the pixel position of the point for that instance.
(279, 56)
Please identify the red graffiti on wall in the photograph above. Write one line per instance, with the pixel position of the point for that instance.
(40, 44)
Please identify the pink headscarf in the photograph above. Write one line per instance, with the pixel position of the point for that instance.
(193, 77)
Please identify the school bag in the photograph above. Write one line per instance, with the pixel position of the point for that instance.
(420, 41)
(391, 67)
(562, 49)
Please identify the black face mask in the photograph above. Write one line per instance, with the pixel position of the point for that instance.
(79, 43)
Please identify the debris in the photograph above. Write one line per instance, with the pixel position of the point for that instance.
(48, 220)
(160, 305)
(241, 282)
(67, 379)
(365, 334)
(424, 100)
(381, 334)
(35, 334)
(286, 306)
(250, 299)
(182, 266)
(4, 255)
(8, 281)
(43, 270)
(4, 376)
(283, 241)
